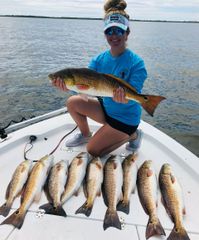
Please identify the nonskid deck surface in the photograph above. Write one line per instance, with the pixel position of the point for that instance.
(38, 225)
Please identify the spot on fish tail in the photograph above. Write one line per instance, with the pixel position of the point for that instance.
(80, 161)
(114, 165)
(23, 169)
(98, 166)
(149, 173)
(173, 179)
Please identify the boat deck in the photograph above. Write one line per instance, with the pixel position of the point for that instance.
(156, 146)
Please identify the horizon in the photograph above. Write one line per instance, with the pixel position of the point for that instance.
(97, 18)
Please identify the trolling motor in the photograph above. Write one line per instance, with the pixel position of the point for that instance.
(3, 133)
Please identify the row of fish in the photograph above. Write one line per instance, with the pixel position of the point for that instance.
(171, 196)
(29, 182)
(59, 181)
(116, 179)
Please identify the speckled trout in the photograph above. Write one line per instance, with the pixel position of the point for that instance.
(129, 182)
(147, 191)
(92, 186)
(76, 174)
(16, 186)
(54, 189)
(172, 199)
(87, 81)
(112, 191)
(32, 191)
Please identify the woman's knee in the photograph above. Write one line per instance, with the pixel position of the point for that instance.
(92, 150)
(72, 102)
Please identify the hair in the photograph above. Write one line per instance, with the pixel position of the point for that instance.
(116, 6)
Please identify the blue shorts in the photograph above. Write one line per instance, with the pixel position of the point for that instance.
(114, 123)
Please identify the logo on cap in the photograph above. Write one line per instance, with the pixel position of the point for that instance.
(117, 20)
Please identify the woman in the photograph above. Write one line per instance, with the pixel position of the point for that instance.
(120, 118)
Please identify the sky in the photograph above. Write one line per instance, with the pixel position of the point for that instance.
(174, 10)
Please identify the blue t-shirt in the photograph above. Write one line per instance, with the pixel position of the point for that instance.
(129, 67)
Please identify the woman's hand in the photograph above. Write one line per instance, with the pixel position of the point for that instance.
(59, 83)
(119, 95)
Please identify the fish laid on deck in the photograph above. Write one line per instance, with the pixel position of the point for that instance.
(172, 199)
(147, 191)
(92, 186)
(16, 186)
(76, 174)
(90, 82)
(32, 191)
(112, 191)
(54, 188)
(129, 182)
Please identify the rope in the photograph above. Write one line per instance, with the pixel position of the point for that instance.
(63, 139)
(34, 138)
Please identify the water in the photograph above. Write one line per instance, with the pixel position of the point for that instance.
(31, 48)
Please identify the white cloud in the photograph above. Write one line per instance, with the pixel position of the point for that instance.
(139, 9)
(164, 10)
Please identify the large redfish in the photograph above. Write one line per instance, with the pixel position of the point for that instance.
(129, 182)
(16, 185)
(172, 199)
(76, 174)
(32, 191)
(90, 82)
(147, 191)
(92, 186)
(112, 191)
(54, 189)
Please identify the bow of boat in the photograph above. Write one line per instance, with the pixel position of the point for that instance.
(49, 129)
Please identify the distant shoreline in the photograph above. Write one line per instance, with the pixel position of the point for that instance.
(89, 18)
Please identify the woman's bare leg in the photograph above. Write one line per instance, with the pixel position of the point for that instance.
(80, 109)
(105, 140)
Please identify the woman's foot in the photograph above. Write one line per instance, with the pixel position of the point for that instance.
(134, 144)
(78, 139)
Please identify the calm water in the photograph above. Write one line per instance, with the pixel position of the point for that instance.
(30, 49)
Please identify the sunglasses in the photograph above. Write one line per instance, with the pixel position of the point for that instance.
(114, 30)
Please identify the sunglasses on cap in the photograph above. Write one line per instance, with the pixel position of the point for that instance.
(114, 30)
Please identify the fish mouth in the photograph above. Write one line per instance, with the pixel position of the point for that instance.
(51, 76)
(148, 163)
(166, 168)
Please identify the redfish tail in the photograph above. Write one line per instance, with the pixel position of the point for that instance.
(123, 207)
(50, 209)
(16, 219)
(85, 209)
(150, 103)
(5, 209)
(178, 234)
(111, 219)
(154, 228)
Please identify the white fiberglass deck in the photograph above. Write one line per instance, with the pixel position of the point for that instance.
(155, 146)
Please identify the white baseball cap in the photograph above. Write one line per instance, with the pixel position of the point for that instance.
(116, 20)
